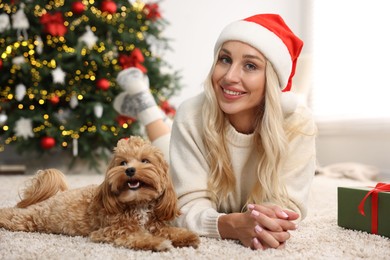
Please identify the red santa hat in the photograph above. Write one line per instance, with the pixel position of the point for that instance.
(269, 34)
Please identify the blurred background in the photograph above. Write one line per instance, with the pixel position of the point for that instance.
(342, 73)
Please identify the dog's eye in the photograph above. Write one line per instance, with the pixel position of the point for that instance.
(123, 163)
(145, 161)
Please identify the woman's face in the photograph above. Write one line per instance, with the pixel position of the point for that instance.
(239, 83)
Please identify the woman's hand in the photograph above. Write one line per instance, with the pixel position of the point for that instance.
(273, 225)
(261, 227)
(238, 226)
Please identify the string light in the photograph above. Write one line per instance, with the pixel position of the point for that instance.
(79, 83)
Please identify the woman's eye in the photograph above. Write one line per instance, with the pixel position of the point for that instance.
(224, 59)
(123, 163)
(250, 66)
(145, 161)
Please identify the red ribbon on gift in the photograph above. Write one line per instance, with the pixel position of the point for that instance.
(380, 187)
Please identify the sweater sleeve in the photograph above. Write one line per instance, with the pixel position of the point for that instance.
(189, 170)
(299, 169)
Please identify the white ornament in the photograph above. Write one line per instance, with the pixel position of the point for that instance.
(19, 60)
(73, 102)
(157, 47)
(39, 45)
(88, 38)
(3, 118)
(20, 92)
(23, 128)
(58, 75)
(112, 53)
(4, 23)
(75, 148)
(98, 110)
(20, 23)
(63, 115)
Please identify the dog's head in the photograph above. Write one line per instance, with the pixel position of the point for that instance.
(138, 175)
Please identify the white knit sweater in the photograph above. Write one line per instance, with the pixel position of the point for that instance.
(190, 170)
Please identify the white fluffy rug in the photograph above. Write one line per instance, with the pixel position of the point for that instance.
(318, 236)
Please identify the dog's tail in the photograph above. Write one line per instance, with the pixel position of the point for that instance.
(45, 184)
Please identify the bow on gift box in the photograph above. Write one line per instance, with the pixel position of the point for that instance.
(54, 24)
(380, 187)
(135, 59)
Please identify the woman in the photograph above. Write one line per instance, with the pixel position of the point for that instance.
(242, 154)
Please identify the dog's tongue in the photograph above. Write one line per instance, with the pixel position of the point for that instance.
(134, 184)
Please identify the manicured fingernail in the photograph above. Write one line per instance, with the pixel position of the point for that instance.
(284, 214)
(258, 229)
(255, 213)
(251, 206)
(257, 244)
(296, 226)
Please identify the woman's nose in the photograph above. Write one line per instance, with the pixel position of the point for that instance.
(233, 73)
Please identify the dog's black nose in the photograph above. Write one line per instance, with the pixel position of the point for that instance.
(130, 171)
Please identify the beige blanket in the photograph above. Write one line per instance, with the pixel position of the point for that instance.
(318, 236)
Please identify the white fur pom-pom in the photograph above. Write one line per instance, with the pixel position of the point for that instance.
(133, 80)
(289, 102)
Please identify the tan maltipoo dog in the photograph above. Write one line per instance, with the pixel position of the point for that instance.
(131, 208)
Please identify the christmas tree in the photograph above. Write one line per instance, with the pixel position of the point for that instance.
(58, 64)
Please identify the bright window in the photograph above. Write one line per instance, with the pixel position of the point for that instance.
(351, 60)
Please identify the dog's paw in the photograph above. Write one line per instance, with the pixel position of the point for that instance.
(186, 239)
(163, 246)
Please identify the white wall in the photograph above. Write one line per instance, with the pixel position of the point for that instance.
(195, 26)
(361, 141)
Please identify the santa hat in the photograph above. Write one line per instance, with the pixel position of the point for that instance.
(269, 34)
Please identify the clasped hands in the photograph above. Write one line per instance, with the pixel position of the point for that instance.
(260, 227)
(271, 226)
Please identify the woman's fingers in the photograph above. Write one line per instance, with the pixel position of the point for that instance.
(273, 224)
(286, 224)
(291, 215)
(281, 237)
(268, 211)
(266, 222)
(274, 211)
(266, 238)
(256, 244)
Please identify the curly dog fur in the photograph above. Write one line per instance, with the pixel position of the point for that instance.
(131, 208)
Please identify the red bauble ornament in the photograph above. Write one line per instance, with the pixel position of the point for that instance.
(103, 84)
(78, 7)
(48, 142)
(54, 100)
(109, 7)
(1, 64)
(124, 119)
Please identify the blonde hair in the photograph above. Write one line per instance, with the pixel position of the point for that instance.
(270, 139)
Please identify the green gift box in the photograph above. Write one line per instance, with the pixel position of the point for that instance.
(365, 208)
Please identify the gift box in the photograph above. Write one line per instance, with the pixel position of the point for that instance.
(365, 208)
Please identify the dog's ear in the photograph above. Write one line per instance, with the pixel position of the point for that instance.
(106, 199)
(166, 208)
